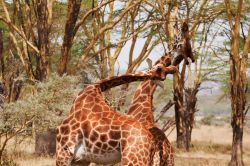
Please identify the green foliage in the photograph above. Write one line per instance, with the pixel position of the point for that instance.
(46, 107)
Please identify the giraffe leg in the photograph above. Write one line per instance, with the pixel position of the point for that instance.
(63, 157)
(167, 148)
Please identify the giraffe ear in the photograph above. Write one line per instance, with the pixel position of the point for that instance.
(149, 61)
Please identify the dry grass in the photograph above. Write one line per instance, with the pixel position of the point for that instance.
(211, 147)
(36, 161)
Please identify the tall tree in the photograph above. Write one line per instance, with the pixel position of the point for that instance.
(1, 53)
(34, 33)
(43, 10)
(238, 66)
(69, 33)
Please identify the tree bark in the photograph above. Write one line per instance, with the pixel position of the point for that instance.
(43, 30)
(179, 108)
(190, 102)
(1, 53)
(238, 66)
(69, 33)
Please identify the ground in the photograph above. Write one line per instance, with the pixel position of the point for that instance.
(211, 147)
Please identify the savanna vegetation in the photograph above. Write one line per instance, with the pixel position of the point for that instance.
(51, 49)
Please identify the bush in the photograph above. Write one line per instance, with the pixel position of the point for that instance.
(40, 110)
(48, 105)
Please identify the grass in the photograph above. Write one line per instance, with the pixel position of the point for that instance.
(201, 154)
(211, 146)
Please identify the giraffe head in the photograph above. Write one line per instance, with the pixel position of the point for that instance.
(159, 71)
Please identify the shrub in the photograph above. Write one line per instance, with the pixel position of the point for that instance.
(44, 108)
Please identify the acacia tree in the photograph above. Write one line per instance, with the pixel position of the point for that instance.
(238, 65)
(193, 17)
(34, 33)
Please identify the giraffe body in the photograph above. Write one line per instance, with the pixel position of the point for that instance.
(93, 132)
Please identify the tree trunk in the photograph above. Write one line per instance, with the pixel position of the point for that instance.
(190, 101)
(1, 54)
(179, 111)
(43, 40)
(238, 66)
(69, 33)
(238, 101)
(45, 143)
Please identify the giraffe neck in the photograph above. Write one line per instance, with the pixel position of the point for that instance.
(123, 79)
(141, 107)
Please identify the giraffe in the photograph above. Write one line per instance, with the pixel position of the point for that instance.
(142, 107)
(93, 132)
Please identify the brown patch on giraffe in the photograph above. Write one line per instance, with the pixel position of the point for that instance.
(66, 121)
(58, 138)
(125, 134)
(88, 105)
(96, 150)
(105, 107)
(111, 116)
(63, 140)
(137, 93)
(147, 89)
(87, 143)
(121, 118)
(65, 130)
(147, 104)
(75, 126)
(99, 145)
(94, 124)
(86, 128)
(115, 135)
(110, 149)
(97, 108)
(105, 146)
(81, 117)
(94, 136)
(116, 123)
(89, 99)
(134, 107)
(107, 121)
(78, 104)
(149, 118)
(97, 100)
(77, 115)
(105, 114)
(103, 137)
(131, 139)
(138, 116)
(73, 121)
(90, 117)
(113, 127)
(135, 132)
(131, 156)
(70, 144)
(102, 129)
